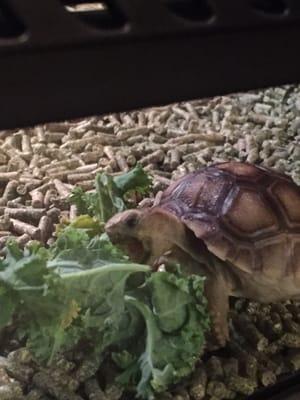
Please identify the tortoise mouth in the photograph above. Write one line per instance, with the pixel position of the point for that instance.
(132, 247)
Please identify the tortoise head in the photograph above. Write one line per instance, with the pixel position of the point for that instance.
(146, 234)
(125, 230)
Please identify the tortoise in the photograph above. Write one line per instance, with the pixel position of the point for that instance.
(235, 223)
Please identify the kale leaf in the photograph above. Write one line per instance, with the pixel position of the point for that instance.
(84, 293)
(110, 195)
(175, 321)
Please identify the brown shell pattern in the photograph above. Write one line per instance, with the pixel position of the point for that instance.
(245, 214)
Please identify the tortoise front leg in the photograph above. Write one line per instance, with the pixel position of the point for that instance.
(217, 295)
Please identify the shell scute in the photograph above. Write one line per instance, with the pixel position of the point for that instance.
(238, 169)
(201, 226)
(288, 198)
(222, 247)
(199, 192)
(250, 215)
(272, 252)
(244, 258)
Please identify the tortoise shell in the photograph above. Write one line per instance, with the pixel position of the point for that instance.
(245, 214)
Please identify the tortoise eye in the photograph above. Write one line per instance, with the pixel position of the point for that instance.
(131, 221)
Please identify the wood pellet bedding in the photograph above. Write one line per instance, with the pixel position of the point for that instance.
(39, 166)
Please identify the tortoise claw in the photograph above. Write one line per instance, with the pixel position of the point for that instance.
(162, 260)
